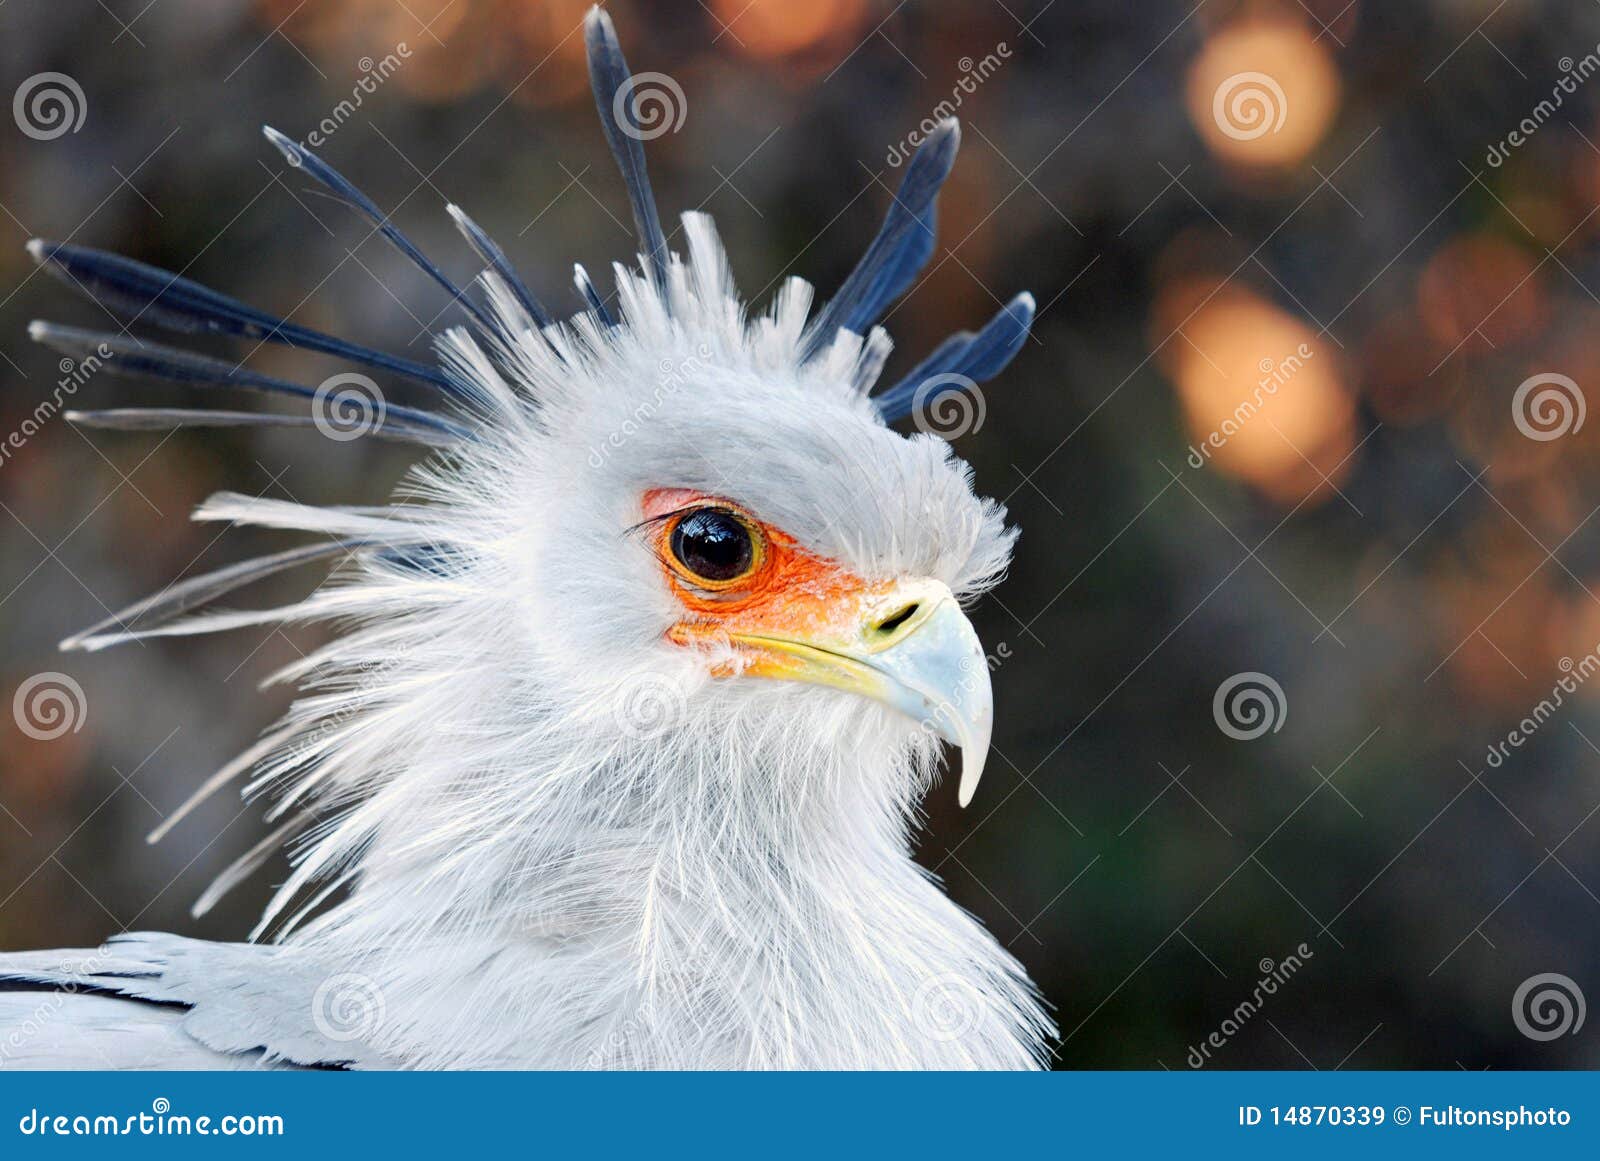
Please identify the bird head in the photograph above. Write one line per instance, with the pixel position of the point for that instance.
(670, 538)
(732, 538)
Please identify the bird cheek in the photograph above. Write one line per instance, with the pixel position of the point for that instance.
(812, 601)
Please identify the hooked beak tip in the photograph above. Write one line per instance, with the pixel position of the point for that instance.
(940, 676)
(972, 762)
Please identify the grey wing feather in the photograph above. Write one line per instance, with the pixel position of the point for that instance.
(153, 1000)
(60, 1030)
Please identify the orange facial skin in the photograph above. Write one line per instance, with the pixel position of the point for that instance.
(788, 595)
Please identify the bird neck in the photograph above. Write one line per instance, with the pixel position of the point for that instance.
(732, 896)
(593, 827)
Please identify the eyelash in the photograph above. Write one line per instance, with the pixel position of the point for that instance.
(652, 521)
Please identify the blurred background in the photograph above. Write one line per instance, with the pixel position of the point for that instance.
(1291, 666)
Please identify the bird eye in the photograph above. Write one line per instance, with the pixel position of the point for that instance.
(714, 547)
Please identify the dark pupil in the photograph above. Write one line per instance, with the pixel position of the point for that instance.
(712, 545)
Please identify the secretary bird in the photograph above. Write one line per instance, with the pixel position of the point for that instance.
(643, 672)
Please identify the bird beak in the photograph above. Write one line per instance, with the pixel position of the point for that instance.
(905, 643)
